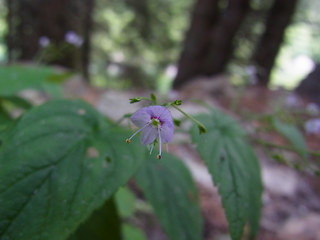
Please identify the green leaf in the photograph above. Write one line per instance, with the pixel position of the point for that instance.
(132, 233)
(103, 224)
(58, 77)
(177, 122)
(53, 89)
(153, 99)
(18, 77)
(5, 117)
(294, 136)
(58, 163)
(135, 100)
(169, 187)
(17, 101)
(125, 200)
(234, 169)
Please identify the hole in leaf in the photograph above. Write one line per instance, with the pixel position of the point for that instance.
(92, 152)
(81, 111)
(107, 161)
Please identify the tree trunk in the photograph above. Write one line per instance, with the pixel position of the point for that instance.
(221, 47)
(278, 19)
(197, 42)
(88, 25)
(33, 19)
(208, 45)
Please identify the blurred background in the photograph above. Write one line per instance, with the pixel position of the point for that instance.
(255, 59)
(160, 44)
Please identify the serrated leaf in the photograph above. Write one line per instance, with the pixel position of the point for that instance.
(234, 169)
(103, 224)
(58, 163)
(293, 135)
(169, 188)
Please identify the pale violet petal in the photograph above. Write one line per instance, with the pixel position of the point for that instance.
(160, 112)
(148, 135)
(166, 132)
(141, 117)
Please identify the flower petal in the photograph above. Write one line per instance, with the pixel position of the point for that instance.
(141, 117)
(166, 131)
(149, 134)
(162, 113)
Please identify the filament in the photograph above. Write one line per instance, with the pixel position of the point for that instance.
(128, 139)
(159, 155)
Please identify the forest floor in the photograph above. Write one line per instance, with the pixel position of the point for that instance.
(291, 198)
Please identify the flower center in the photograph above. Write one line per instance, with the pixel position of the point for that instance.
(155, 122)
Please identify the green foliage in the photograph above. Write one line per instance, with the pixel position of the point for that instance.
(294, 136)
(140, 38)
(3, 29)
(132, 233)
(168, 186)
(17, 101)
(59, 162)
(125, 200)
(103, 224)
(15, 78)
(234, 169)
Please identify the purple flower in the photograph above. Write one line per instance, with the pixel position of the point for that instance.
(312, 126)
(292, 100)
(73, 38)
(44, 41)
(154, 122)
(313, 109)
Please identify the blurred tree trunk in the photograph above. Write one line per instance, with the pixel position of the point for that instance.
(88, 26)
(279, 17)
(29, 20)
(197, 41)
(208, 45)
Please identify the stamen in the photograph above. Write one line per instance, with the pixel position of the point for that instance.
(128, 140)
(159, 155)
(151, 149)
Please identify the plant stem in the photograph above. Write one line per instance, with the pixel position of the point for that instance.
(200, 125)
(288, 148)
